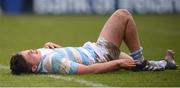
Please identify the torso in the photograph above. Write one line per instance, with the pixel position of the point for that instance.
(65, 60)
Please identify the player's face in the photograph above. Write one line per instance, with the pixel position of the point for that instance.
(31, 56)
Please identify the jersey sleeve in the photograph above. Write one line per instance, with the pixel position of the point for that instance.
(63, 65)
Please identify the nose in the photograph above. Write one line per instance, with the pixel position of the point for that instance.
(35, 51)
(32, 51)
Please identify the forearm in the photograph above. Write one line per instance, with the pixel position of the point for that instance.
(104, 67)
(98, 68)
(107, 66)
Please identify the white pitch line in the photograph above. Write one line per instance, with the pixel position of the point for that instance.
(3, 67)
(73, 79)
(81, 81)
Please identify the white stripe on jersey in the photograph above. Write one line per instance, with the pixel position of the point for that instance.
(47, 63)
(64, 66)
(76, 55)
(45, 51)
(65, 53)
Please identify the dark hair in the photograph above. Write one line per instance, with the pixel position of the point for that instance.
(19, 65)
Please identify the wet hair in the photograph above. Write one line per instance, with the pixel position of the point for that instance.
(18, 65)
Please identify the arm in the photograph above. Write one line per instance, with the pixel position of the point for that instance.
(106, 67)
(51, 45)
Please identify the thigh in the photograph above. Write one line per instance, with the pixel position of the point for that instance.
(114, 28)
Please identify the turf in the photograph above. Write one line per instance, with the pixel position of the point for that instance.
(157, 34)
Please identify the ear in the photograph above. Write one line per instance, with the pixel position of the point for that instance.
(34, 67)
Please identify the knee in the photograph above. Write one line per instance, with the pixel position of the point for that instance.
(122, 13)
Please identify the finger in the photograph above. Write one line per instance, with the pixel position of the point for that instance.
(55, 46)
(136, 61)
(132, 62)
(132, 65)
(51, 46)
(46, 46)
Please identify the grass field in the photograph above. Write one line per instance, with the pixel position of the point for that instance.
(157, 34)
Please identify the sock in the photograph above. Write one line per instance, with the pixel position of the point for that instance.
(138, 55)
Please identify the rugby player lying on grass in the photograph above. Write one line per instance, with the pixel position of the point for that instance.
(102, 56)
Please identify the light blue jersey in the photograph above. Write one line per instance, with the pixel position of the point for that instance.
(65, 60)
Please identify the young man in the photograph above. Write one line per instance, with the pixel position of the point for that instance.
(102, 56)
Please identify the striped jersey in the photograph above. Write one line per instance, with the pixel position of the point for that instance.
(65, 60)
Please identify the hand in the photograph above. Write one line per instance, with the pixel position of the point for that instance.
(51, 45)
(127, 63)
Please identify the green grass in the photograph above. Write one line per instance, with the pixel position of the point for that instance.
(157, 33)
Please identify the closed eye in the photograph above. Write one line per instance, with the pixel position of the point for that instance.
(30, 52)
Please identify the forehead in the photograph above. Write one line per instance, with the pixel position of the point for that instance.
(24, 53)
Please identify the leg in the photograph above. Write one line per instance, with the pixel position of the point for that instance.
(124, 56)
(120, 26)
